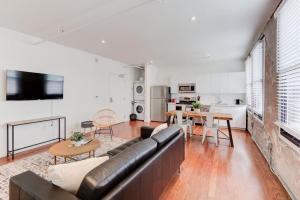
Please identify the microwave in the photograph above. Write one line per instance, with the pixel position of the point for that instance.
(187, 88)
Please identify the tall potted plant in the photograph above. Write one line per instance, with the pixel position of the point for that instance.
(196, 106)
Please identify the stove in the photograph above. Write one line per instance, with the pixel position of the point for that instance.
(186, 102)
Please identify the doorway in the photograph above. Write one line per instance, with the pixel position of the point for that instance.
(119, 99)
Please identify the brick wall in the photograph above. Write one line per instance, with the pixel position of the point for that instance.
(282, 158)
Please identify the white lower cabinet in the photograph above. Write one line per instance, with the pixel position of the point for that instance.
(238, 113)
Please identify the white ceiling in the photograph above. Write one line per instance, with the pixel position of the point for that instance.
(138, 31)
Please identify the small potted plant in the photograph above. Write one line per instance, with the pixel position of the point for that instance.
(76, 138)
(196, 106)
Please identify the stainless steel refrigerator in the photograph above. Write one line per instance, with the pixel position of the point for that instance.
(160, 96)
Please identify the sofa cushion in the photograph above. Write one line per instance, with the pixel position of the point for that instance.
(104, 177)
(159, 128)
(70, 175)
(164, 136)
(122, 147)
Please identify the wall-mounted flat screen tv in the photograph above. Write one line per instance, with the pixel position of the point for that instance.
(22, 85)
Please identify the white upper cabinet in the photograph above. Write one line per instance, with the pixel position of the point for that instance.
(237, 82)
(173, 85)
(213, 83)
(207, 83)
(221, 83)
(203, 84)
(174, 89)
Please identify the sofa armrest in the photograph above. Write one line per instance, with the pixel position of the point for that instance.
(28, 185)
(146, 132)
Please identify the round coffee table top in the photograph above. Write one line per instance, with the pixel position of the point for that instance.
(66, 148)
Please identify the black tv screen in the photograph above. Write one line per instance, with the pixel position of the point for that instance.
(33, 86)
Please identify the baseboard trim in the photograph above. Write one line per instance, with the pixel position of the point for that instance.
(286, 187)
(281, 180)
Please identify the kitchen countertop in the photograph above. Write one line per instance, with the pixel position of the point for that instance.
(228, 105)
(180, 103)
(215, 105)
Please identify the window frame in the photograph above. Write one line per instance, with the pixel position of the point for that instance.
(249, 103)
(259, 116)
(285, 132)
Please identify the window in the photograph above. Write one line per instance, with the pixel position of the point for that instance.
(257, 78)
(254, 72)
(249, 81)
(288, 68)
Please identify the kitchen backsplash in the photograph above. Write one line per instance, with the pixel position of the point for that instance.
(211, 99)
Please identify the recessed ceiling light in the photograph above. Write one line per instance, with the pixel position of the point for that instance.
(194, 18)
(103, 42)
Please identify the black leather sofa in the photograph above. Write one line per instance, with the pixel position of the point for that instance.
(139, 169)
(144, 134)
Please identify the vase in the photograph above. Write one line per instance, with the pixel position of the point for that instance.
(197, 110)
(77, 144)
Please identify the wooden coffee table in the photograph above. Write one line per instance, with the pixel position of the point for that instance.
(66, 149)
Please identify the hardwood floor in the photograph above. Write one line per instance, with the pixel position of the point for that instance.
(210, 172)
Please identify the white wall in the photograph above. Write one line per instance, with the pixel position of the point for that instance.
(150, 80)
(86, 88)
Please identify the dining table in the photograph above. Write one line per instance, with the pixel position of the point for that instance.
(218, 116)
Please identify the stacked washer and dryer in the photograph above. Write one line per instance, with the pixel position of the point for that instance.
(139, 100)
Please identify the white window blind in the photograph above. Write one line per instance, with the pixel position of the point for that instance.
(248, 64)
(257, 78)
(289, 66)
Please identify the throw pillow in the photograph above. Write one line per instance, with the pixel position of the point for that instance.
(69, 176)
(159, 128)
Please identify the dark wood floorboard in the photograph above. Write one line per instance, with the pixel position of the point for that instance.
(210, 172)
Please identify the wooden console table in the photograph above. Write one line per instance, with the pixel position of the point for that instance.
(32, 121)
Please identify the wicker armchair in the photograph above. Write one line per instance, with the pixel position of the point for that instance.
(104, 120)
